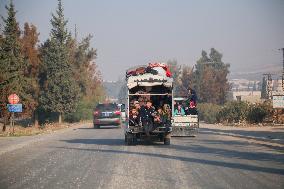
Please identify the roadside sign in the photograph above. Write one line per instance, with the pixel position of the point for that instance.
(278, 101)
(15, 107)
(13, 99)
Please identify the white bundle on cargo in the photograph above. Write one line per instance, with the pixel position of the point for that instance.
(149, 79)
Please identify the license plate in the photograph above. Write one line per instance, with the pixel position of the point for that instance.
(106, 114)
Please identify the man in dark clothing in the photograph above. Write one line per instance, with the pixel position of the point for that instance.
(191, 103)
(147, 114)
(192, 95)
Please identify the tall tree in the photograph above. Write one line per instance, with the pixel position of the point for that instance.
(30, 52)
(12, 65)
(264, 93)
(60, 92)
(176, 71)
(86, 73)
(210, 78)
(82, 57)
(186, 80)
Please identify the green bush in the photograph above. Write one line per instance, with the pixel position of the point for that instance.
(84, 111)
(208, 112)
(233, 112)
(257, 113)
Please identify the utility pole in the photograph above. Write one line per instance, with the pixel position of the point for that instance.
(269, 85)
(282, 70)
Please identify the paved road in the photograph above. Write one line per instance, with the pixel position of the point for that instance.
(88, 158)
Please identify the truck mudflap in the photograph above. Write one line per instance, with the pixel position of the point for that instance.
(185, 130)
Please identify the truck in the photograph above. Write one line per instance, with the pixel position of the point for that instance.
(152, 82)
(185, 125)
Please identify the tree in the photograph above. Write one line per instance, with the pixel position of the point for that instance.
(85, 70)
(264, 93)
(12, 66)
(60, 91)
(30, 52)
(122, 92)
(176, 71)
(210, 78)
(186, 80)
(82, 58)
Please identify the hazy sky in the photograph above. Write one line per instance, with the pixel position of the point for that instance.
(130, 32)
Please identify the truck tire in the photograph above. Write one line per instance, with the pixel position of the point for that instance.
(130, 139)
(167, 141)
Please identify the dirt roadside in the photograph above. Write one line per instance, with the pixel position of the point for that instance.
(266, 135)
(8, 144)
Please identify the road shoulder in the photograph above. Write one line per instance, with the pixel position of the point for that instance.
(8, 144)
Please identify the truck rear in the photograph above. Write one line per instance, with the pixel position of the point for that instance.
(186, 124)
(149, 83)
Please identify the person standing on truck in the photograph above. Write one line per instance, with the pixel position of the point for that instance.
(191, 102)
(146, 115)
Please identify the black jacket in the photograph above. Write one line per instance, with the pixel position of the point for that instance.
(146, 113)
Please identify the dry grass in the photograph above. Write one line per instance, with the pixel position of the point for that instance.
(31, 130)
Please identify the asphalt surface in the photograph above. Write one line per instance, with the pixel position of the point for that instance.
(97, 158)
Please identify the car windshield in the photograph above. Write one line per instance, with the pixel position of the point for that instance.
(106, 107)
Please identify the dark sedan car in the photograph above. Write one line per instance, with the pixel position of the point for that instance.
(107, 114)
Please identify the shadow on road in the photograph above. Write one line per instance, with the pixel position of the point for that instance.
(112, 142)
(244, 143)
(264, 136)
(109, 142)
(229, 153)
(189, 159)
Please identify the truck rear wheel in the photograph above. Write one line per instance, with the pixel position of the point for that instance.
(167, 141)
(130, 139)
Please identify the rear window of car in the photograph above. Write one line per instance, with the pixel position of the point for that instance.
(108, 107)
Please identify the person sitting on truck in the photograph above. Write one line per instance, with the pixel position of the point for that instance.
(179, 110)
(146, 115)
(136, 104)
(133, 118)
(159, 117)
(167, 111)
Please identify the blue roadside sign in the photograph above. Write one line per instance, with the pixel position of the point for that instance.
(15, 107)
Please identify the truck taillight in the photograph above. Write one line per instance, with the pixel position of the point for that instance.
(96, 113)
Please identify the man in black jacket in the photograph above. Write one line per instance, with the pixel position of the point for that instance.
(191, 103)
(146, 115)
